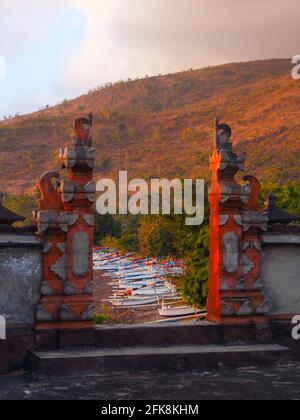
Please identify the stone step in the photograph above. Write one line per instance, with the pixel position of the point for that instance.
(167, 335)
(99, 361)
(153, 335)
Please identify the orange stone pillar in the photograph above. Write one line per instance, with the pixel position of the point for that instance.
(78, 197)
(235, 290)
(65, 225)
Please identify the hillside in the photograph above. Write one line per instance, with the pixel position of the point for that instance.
(162, 126)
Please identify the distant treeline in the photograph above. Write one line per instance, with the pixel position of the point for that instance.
(153, 236)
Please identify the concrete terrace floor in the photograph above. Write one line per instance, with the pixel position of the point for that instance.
(277, 383)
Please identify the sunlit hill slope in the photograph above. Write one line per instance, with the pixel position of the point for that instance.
(162, 126)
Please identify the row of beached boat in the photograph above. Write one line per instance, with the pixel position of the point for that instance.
(138, 282)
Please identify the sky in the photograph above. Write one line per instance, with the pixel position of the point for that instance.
(53, 50)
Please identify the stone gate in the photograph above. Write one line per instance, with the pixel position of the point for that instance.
(46, 271)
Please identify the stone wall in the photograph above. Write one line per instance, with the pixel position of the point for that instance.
(281, 271)
(20, 278)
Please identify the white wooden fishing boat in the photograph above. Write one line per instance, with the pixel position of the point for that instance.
(131, 302)
(153, 291)
(135, 286)
(187, 318)
(140, 277)
(145, 278)
(178, 311)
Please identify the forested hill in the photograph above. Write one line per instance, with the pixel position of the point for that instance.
(162, 126)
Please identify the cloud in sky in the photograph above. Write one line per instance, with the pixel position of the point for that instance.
(22, 22)
(36, 39)
(139, 37)
(117, 39)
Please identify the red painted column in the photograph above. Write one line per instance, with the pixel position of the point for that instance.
(234, 285)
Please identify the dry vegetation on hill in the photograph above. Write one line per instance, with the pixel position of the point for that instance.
(162, 126)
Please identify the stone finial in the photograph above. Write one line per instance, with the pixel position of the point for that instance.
(83, 128)
(223, 136)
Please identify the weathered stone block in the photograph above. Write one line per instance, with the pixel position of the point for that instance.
(20, 282)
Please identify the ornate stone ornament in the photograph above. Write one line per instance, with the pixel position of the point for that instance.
(231, 252)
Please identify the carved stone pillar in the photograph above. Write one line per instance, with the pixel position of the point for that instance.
(234, 286)
(78, 197)
(65, 224)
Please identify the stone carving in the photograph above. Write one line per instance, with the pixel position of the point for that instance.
(67, 219)
(255, 219)
(59, 268)
(49, 183)
(66, 314)
(238, 219)
(43, 315)
(47, 247)
(48, 219)
(68, 157)
(63, 221)
(245, 193)
(257, 245)
(241, 284)
(254, 192)
(90, 158)
(226, 309)
(258, 285)
(42, 220)
(245, 245)
(223, 219)
(231, 252)
(67, 190)
(46, 289)
(224, 285)
(248, 265)
(83, 129)
(89, 289)
(226, 189)
(89, 219)
(62, 248)
(223, 135)
(80, 254)
(90, 190)
(88, 314)
(69, 289)
(245, 309)
(263, 308)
